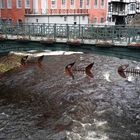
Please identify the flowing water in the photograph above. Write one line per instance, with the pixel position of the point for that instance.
(46, 104)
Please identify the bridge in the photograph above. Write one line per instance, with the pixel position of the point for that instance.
(106, 36)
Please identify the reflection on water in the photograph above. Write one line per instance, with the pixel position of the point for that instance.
(47, 104)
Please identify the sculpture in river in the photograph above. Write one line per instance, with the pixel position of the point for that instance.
(124, 71)
(69, 70)
(24, 60)
(28, 62)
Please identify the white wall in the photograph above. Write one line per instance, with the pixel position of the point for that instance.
(57, 19)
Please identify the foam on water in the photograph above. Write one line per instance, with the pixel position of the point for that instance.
(34, 53)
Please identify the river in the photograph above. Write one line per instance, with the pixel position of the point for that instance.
(46, 104)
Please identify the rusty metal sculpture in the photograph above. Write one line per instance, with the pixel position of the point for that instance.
(69, 70)
(25, 62)
(121, 70)
(124, 71)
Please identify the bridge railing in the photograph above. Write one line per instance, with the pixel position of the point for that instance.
(114, 34)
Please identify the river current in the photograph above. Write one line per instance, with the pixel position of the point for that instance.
(47, 104)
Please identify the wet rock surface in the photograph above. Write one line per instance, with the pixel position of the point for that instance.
(38, 104)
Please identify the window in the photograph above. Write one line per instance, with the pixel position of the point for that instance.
(20, 23)
(72, 3)
(74, 18)
(109, 8)
(95, 20)
(88, 4)
(95, 3)
(10, 20)
(81, 3)
(109, 19)
(63, 3)
(132, 7)
(83, 17)
(9, 4)
(102, 19)
(19, 3)
(65, 18)
(102, 3)
(27, 3)
(53, 3)
(2, 4)
(138, 6)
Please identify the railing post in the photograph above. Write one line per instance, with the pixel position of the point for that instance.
(41, 32)
(134, 34)
(33, 29)
(5, 29)
(105, 33)
(79, 30)
(29, 30)
(97, 35)
(82, 34)
(67, 26)
(127, 32)
(54, 29)
(112, 36)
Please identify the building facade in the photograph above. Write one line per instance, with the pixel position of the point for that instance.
(14, 10)
(62, 11)
(122, 11)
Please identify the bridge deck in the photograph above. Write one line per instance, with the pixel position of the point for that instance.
(72, 34)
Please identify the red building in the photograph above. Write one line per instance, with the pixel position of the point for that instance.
(14, 9)
(17, 10)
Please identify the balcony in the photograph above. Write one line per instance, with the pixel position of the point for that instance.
(118, 12)
(124, 1)
(56, 11)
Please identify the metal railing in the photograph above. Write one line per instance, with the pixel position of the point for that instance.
(56, 11)
(118, 12)
(127, 34)
(124, 1)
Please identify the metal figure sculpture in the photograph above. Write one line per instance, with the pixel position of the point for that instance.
(121, 70)
(69, 70)
(25, 62)
(124, 71)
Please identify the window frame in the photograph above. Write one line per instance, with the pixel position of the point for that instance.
(72, 5)
(102, 4)
(94, 20)
(95, 6)
(26, 5)
(53, 6)
(81, 6)
(133, 7)
(17, 4)
(3, 4)
(88, 6)
(101, 20)
(9, 6)
(65, 18)
(63, 5)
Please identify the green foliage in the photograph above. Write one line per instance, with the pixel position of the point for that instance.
(4, 67)
(9, 62)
